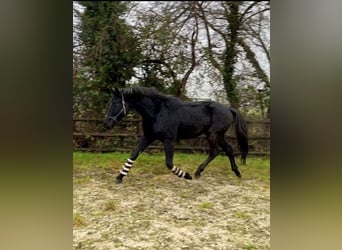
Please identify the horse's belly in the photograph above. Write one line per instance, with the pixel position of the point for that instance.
(185, 132)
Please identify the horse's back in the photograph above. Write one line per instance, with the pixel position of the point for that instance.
(194, 119)
(203, 117)
(190, 119)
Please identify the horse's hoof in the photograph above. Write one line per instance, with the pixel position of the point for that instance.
(118, 181)
(187, 176)
(197, 176)
(237, 173)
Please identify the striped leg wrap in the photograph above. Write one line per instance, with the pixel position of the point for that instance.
(126, 167)
(177, 171)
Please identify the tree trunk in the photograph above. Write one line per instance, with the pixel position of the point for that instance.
(230, 54)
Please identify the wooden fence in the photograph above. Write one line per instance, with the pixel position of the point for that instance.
(89, 135)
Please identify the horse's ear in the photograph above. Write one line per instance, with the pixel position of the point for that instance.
(116, 92)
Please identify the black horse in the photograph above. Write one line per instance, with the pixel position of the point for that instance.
(168, 119)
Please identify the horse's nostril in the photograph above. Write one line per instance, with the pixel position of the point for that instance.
(106, 125)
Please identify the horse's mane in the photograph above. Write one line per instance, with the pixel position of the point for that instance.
(143, 91)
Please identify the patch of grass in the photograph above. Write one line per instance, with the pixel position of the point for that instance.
(110, 206)
(82, 180)
(256, 168)
(241, 215)
(249, 246)
(206, 205)
(86, 160)
(78, 220)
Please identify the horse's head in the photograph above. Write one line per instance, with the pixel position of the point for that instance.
(117, 109)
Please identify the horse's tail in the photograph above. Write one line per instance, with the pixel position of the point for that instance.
(241, 134)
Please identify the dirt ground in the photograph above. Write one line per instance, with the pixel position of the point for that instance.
(151, 211)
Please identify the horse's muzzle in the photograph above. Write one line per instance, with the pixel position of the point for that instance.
(108, 123)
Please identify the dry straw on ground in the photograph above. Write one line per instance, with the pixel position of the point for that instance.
(166, 212)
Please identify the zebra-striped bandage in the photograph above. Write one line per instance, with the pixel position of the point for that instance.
(177, 171)
(126, 167)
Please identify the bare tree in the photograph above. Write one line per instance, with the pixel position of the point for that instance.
(234, 28)
(169, 35)
(227, 40)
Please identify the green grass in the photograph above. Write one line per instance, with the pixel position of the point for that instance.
(78, 220)
(257, 168)
(241, 215)
(205, 205)
(82, 180)
(249, 246)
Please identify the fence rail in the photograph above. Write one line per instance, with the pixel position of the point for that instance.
(88, 135)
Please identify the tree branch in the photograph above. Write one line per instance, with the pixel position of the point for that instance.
(256, 13)
(251, 57)
(256, 35)
(210, 47)
(194, 37)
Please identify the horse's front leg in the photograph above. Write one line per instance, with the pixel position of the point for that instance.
(169, 150)
(143, 144)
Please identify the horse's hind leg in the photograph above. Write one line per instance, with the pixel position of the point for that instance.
(227, 148)
(213, 152)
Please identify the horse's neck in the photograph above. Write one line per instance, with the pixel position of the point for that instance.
(144, 106)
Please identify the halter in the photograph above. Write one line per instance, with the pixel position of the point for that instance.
(123, 109)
